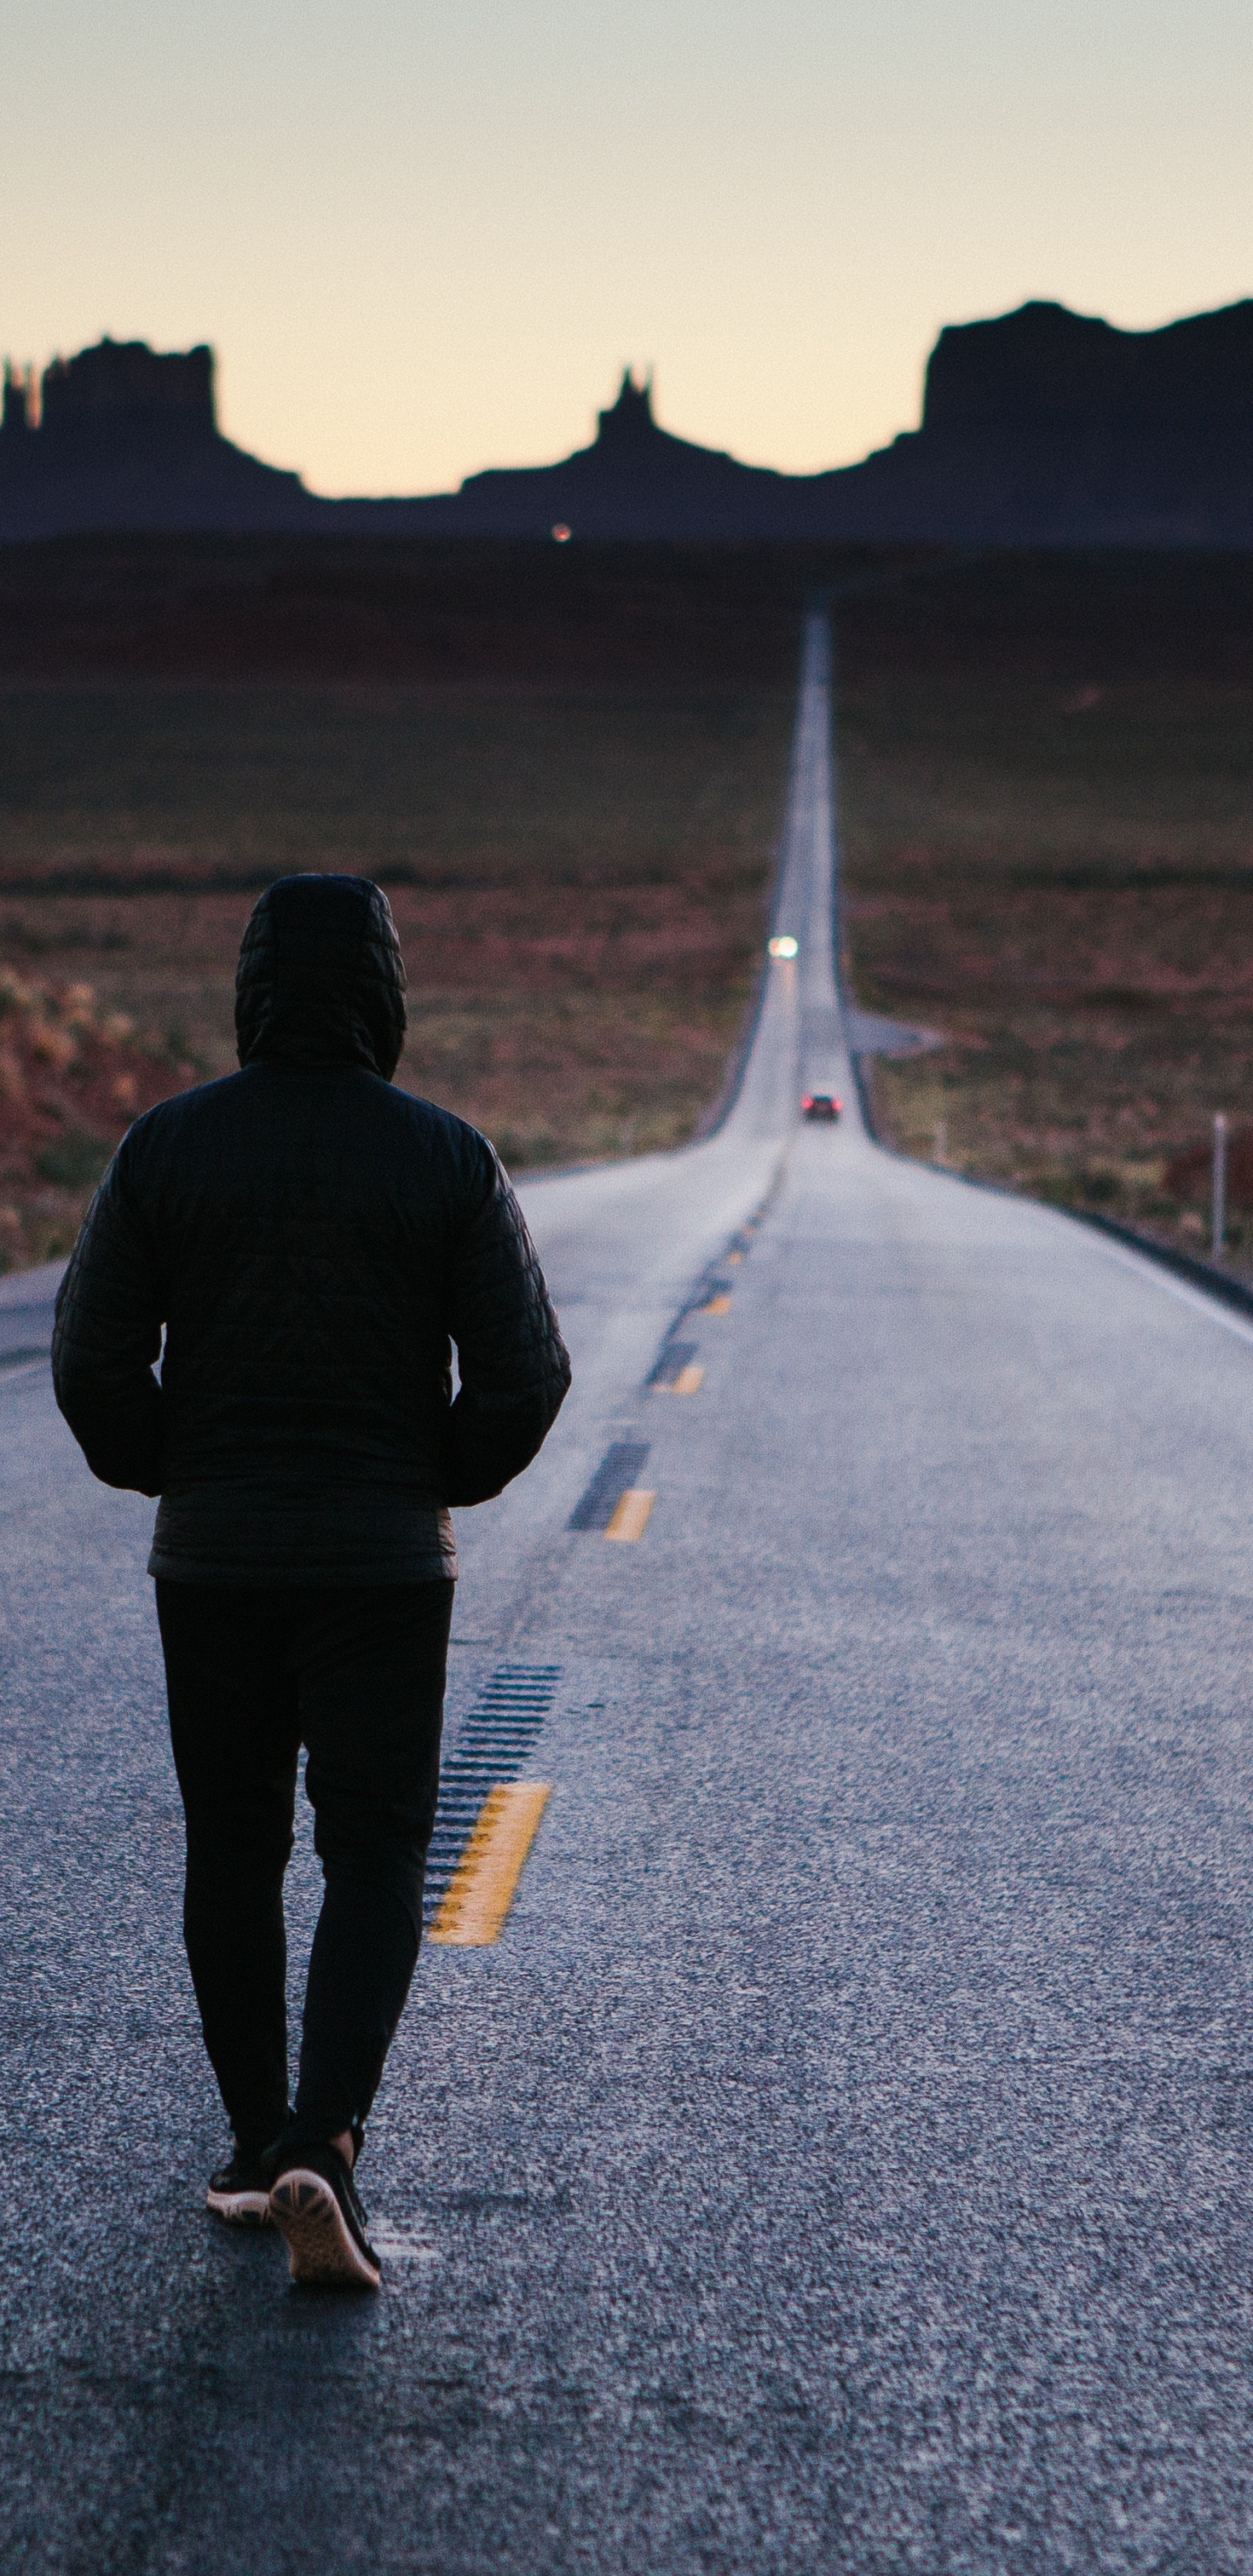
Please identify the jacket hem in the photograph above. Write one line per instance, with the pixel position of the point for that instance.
(255, 1577)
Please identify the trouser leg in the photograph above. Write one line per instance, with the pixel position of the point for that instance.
(235, 1730)
(372, 1693)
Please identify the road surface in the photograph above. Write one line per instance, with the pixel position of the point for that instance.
(842, 2160)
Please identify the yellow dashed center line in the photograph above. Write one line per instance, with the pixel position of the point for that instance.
(688, 1382)
(480, 1892)
(629, 1517)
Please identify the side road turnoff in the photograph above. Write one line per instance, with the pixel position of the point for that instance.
(820, 2136)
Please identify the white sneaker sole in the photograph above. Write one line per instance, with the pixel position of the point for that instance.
(321, 2249)
(240, 2208)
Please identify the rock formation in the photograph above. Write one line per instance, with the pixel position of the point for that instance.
(1049, 426)
(123, 437)
(1041, 427)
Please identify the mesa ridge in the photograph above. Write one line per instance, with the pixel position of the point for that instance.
(1041, 427)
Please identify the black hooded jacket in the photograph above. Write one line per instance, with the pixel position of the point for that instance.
(310, 1238)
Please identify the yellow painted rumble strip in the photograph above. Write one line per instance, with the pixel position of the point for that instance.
(629, 1517)
(480, 1892)
(716, 1306)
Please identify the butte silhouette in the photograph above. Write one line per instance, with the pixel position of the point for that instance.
(1042, 427)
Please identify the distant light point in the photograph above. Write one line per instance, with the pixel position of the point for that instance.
(562, 533)
(784, 947)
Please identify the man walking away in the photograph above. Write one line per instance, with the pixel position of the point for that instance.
(309, 1239)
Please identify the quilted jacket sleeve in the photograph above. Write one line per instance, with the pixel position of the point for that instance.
(106, 1337)
(513, 1363)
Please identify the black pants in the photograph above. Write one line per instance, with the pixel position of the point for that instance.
(357, 1675)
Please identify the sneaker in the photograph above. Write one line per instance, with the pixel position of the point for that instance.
(314, 2202)
(240, 2191)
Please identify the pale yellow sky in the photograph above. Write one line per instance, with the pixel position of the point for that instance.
(425, 238)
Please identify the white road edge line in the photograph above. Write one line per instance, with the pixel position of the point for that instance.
(1147, 1268)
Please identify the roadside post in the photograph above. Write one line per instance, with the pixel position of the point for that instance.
(1218, 1209)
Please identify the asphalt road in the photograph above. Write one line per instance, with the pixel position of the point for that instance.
(841, 2162)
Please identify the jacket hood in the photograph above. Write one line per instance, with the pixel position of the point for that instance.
(321, 979)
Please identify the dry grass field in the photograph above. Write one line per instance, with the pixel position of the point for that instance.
(1047, 792)
(578, 877)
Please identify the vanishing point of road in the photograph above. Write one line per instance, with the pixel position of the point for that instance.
(843, 2160)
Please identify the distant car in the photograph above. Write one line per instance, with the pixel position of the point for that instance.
(821, 1104)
